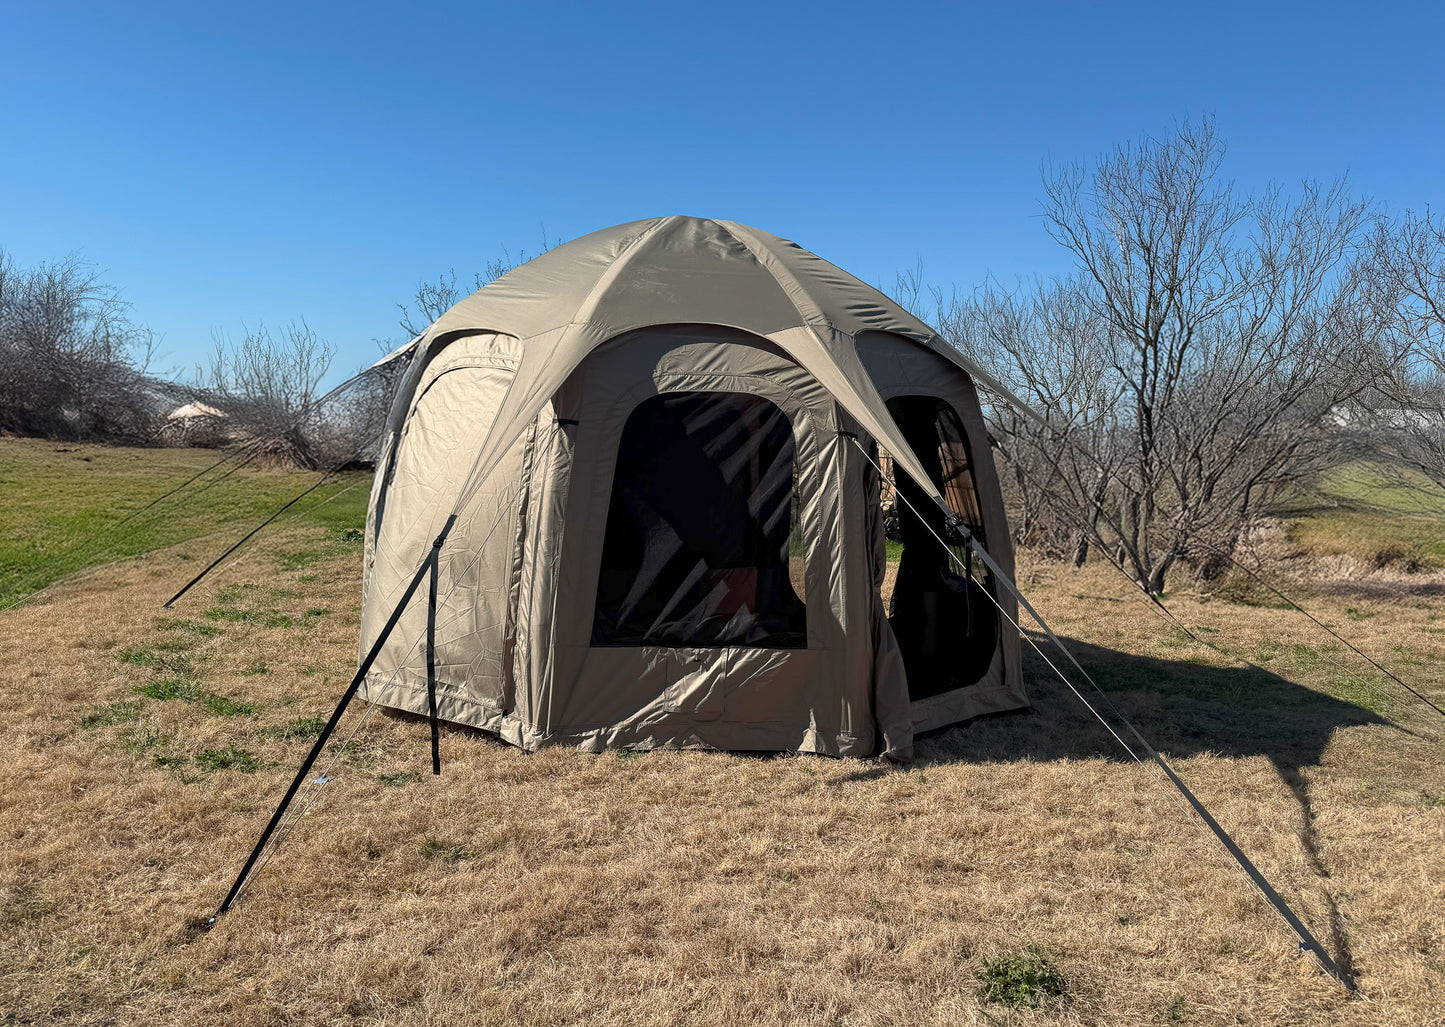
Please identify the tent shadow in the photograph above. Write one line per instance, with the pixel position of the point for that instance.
(1182, 708)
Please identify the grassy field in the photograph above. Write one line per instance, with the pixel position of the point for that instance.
(1383, 517)
(68, 507)
(145, 749)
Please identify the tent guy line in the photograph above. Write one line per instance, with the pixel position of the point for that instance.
(1307, 941)
(289, 812)
(111, 534)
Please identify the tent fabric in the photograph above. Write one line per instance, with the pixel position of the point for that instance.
(558, 410)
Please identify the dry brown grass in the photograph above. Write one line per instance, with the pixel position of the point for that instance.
(704, 887)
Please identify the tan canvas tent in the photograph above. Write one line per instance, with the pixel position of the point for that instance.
(658, 441)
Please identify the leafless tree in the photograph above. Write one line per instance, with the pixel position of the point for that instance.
(265, 385)
(1405, 413)
(1190, 367)
(1044, 344)
(72, 363)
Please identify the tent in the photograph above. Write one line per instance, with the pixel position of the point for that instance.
(659, 442)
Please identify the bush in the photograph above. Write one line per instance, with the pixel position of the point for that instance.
(72, 364)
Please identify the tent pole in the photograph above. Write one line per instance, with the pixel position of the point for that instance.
(431, 655)
(351, 690)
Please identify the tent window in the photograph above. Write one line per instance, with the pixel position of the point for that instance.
(946, 625)
(696, 550)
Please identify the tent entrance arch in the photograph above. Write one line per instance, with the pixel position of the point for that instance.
(946, 623)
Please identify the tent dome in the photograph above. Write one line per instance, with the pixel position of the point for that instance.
(656, 442)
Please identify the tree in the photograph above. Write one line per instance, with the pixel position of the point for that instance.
(266, 387)
(1405, 413)
(433, 299)
(72, 363)
(1190, 366)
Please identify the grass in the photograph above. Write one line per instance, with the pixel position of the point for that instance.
(443, 852)
(707, 887)
(230, 757)
(125, 712)
(301, 727)
(1382, 517)
(69, 507)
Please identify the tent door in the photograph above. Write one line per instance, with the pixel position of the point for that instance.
(947, 627)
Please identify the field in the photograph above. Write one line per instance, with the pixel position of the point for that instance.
(145, 749)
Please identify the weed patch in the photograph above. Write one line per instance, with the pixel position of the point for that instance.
(301, 727)
(143, 739)
(167, 689)
(259, 618)
(224, 706)
(1022, 981)
(232, 757)
(190, 627)
(397, 780)
(137, 656)
(125, 712)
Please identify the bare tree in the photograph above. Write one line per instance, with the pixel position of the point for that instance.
(433, 299)
(265, 385)
(1043, 343)
(72, 363)
(1190, 367)
(1405, 413)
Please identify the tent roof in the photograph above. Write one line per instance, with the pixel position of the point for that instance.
(680, 269)
(683, 270)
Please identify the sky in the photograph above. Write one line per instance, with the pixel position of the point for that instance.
(233, 165)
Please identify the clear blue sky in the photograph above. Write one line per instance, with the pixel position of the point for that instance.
(239, 163)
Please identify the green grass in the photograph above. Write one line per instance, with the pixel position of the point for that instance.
(301, 727)
(167, 689)
(232, 757)
(1384, 516)
(65, 504)
(126, 712)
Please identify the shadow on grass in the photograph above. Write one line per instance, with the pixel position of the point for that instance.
(1180, 706)
(1183, 708)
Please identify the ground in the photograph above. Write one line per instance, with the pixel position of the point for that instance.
(145, 749)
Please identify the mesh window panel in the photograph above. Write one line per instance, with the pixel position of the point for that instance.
(945, 623)
(696, 551)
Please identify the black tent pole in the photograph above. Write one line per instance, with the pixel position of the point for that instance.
(423, 571)
(431, 656)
